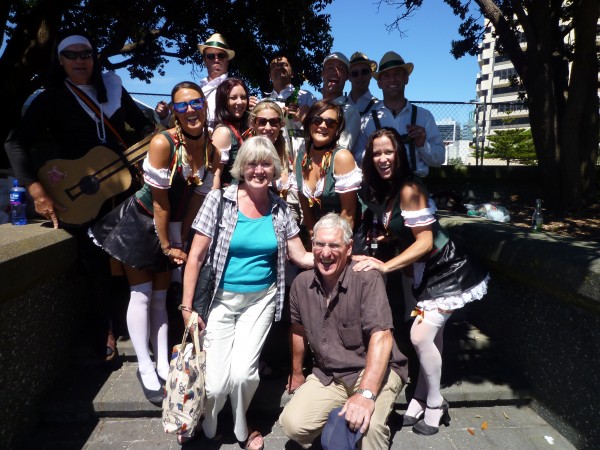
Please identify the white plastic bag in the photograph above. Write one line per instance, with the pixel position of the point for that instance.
(491, 211)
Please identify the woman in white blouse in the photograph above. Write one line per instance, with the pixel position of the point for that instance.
(147, 233)
(444, 277)
(326, 175)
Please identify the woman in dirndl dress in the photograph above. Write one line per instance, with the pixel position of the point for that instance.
(147, 232)
(444, 278)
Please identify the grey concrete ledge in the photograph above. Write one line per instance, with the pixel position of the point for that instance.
(565, 268)
(31, 254)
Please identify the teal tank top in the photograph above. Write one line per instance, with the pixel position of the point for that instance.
(251, 264)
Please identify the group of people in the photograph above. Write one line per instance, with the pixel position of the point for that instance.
(276, 185)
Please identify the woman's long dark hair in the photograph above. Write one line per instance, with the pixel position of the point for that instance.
(57, 73)
(317, 109)
(221, 100)
(376, 188)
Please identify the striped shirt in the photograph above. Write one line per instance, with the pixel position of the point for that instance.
(283, 223)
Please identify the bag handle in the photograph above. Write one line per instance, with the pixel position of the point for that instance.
(193, 321)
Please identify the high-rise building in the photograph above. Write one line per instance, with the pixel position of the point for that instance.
(501, 107)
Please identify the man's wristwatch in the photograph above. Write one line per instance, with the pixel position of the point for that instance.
(366, 393)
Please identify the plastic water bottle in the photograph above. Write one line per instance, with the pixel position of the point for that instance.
(537, 219)
(17, 204)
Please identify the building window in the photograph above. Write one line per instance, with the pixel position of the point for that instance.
(501, 58)
(487, 45)
(506, 90)
(505, 74)
(509, 122)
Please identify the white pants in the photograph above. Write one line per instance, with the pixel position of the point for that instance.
(235, 334)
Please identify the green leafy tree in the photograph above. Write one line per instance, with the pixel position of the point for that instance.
(513, 144)
(559, 75)
(140, 35)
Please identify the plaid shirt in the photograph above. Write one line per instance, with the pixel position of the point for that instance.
(283, 223)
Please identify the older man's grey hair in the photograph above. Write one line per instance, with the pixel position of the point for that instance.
(256, 149)
(333, 220)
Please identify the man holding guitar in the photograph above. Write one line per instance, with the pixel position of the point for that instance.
(81, 108)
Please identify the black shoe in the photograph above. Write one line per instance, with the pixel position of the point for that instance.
(428, 430)
(154, 397)
(409, 421)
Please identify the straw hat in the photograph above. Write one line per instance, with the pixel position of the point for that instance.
(392, 60)
(337, 56)
(217, 41)
(358, 57)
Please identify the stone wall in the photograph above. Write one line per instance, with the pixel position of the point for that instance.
(543, 311)
(40, 309)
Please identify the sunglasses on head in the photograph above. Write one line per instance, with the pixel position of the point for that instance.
(212, 56)
(318, 120)
(196, 104)
(363, 72)
(73, 55)
(263, 121)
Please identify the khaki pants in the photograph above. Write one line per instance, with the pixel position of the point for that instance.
(304, 417)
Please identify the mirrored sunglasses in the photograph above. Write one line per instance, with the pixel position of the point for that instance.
(73, 55)
(196, 104)
(263, 121)
(363, 72)
(318, 120)
(212, 56)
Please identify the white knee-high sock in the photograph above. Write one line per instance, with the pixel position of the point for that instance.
(137, 324)
(424, 335)
(159, 332)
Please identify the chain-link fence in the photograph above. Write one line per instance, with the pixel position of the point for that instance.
(464, 125)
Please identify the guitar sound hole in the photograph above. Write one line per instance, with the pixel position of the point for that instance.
(89, 185)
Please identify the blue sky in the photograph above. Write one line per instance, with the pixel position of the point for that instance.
(357, 25)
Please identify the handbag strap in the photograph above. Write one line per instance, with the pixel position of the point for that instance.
(195, 336)
(213, 244)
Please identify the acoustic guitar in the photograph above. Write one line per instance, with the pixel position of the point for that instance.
(83, 185)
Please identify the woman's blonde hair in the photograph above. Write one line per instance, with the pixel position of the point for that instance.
(281, 145)
(255, 149)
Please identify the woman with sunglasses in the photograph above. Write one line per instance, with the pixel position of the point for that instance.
(147, 233)
(445, 279)
(267, 119)
(326, 174)
(257, 235)
(61, 118)
(231, 104)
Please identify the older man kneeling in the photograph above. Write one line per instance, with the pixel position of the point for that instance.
(346, 319)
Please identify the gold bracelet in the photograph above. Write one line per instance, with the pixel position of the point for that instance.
(167, 252)
(182, 307)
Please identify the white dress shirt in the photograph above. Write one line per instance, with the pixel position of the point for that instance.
(363, 102)
(209, 88)
(351, 132)
(433, 153)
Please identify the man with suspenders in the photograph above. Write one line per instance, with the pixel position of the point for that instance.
(422, 138)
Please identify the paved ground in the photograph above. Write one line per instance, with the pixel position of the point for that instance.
(508, 427)
(101, 407)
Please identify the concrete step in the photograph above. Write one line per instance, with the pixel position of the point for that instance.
(507, 427)
(472, 377)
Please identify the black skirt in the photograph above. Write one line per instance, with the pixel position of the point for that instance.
(128, 234)
(449, 272)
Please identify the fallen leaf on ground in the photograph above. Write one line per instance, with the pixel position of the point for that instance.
(484, 425)
(478, 416)
(471, 431)
(505, 415)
